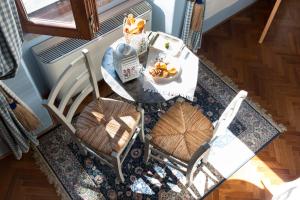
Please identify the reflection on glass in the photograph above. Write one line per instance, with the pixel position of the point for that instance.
(60, 10)
(50, 10)
(103, 2)
(104, 5)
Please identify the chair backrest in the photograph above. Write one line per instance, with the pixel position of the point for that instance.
(81, 85)
(229, 114)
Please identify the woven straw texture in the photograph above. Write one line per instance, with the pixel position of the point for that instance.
(181, 131)
(107, 125)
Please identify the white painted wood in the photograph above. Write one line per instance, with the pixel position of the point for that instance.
(115, 159)
(204, 150)
(67, 77)
(117, 166)
(142, 111)
(284, 191)
(61, 118)
(77, 102)
(229, 114)
(225, 119)
(91, 68)
(71, 92)
(227, 154)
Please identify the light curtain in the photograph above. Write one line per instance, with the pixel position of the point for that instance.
(11, 37)
(193, 23)
(17, 138)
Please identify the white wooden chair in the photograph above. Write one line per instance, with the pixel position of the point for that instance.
(106, 127)
(183, 135)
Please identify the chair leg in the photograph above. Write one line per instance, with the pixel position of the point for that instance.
(82, 150)
(142, 133)
(190, 175)
(117, 166)
(205, 157)
(147, 150)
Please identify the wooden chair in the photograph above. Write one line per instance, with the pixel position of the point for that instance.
(106, 127)
(183, 135)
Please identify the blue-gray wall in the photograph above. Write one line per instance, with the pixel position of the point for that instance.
(168, 15)
(31, 63)
(218, 11)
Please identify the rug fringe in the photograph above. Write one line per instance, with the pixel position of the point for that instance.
(229, 82)
(52, 179)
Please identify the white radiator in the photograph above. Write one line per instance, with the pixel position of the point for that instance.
(55, 54)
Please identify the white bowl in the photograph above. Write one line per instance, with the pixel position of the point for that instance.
(172, 61)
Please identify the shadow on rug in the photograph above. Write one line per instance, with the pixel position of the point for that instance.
(84, 177)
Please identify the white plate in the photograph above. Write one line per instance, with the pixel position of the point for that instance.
(172, 61)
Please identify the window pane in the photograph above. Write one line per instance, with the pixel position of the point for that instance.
(104, 5)
(51, 11)
(103, 2)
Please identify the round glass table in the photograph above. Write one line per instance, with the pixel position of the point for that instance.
(132, 90)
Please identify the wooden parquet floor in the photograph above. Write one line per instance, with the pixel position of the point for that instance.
(269, 72)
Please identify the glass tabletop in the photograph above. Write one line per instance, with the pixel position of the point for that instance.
(132, 90)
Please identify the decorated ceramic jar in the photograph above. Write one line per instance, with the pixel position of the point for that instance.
(126, 62)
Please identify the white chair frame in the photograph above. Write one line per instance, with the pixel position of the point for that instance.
(189, 168)
(116, 159)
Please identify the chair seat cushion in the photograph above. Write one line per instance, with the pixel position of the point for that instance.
(181, 131)
(107, 125)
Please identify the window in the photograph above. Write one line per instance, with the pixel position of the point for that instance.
(66, 18)
(104, 5)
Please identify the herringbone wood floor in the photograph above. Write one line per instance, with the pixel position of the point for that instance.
(271, 74)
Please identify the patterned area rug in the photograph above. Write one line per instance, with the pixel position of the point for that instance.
(84, 177)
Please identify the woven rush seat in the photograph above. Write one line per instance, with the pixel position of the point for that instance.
(181, 131)
(107, 125)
